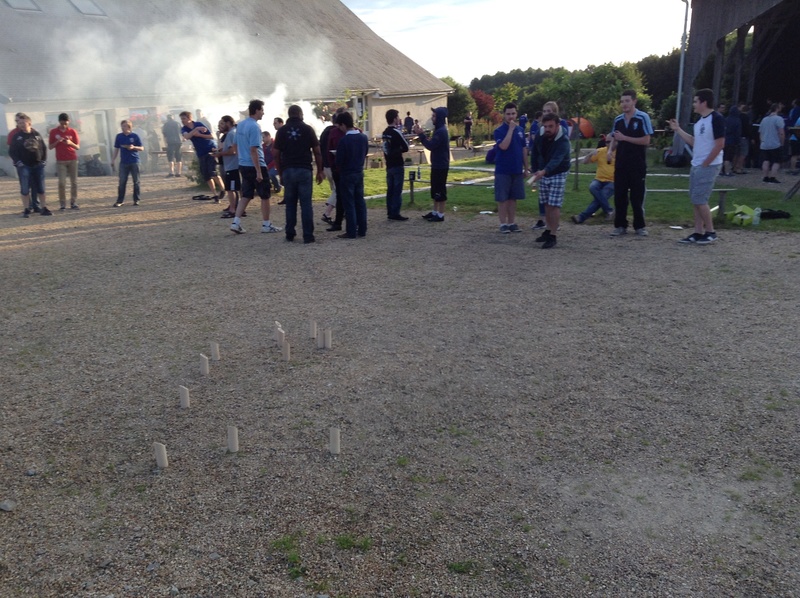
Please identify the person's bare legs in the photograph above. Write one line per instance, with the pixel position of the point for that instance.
(265, 210)
(502, 212)
(703, 221)
(552, 215)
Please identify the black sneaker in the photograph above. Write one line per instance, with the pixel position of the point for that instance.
(543, 237)
(428, 216)
(37, 209)
(136, 203)
(707, 239)
(398, 217)
(773, 180)
(539, 225)
(45, 212)
(117, 205)
(436, 218)
(693, 238)
(26, 213)
(577, 220)
(333, 228)
(63, 208)
(75, 207)
(550, 242)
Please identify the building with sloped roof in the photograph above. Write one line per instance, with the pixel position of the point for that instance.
(105, 60)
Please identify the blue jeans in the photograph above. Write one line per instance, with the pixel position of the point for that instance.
(394, 189)
(273, 177)
(124, 171)
(350, 191)
(601, 193)
(298, 183)
(31, 179)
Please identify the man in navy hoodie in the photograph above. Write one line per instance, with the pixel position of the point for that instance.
(350, 154)
(550, 166)
(439, 146)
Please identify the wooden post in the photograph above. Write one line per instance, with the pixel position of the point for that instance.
(328, 338)
(334, 444)
(320, 338)
(215, 351)
(184, 397)
(286, 351)
(204, 370)
(233, 439)
(161, 455)
(312, 328)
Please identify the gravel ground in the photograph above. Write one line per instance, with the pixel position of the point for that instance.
(615, 417)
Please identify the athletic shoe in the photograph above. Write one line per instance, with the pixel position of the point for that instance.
(543, 237)
(707, 239)
(550, 242)
(46, 212)
(398, 217)
(504, 229)
(610, 216)
(227, 214)
(237, 228)
(75, 207)
(117, 205)
(26, 213)
(514, 228)
(641, 232)
(765, 179)
(136, 203)
(436, 218)
(281, 203)
(693, 238)
(539, 225)
(327, 219)
(577, 220)
(268, 228)
(63, 208)
(37, 209)
(428, 216)
(619, 231)
(773, 180)
(333, 228)
(169, 176)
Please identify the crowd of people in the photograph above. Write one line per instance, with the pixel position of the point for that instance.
(252, 163)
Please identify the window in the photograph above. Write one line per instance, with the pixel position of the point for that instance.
(88, 7)
(24, 5)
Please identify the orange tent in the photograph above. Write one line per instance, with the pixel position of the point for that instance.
(586, 128)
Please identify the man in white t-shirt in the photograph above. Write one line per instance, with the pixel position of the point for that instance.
(708, 141)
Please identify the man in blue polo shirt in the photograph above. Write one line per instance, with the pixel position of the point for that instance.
(252, 168)
(510, 168)
(127, 145)
(632, 130)
(203, 141)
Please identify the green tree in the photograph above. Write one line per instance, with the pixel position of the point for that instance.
(459, 102)
(509, 92)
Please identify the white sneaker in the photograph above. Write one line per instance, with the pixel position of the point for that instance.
(619, 231)
(641, 232)
(270, 229)
(237, 228)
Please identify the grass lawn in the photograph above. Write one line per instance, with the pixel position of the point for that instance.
(665, 208)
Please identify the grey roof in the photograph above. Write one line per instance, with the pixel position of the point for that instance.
(184, 48)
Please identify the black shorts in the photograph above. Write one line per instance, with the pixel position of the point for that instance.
(250, 186)
(795, 147)
(773, 156)
(730, 152)
(173, 152)
(208, 166)
(439, 184)
(233, 182)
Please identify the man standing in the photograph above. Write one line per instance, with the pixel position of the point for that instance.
(550, 164)
(203, 141)
(127, 145)
(29, 154)
(550, 107)
(468, 130)
(230, 164)
(772, 135)
(708, 142)
(439, 146)
(295, 143)
(350, 154)
(66, 143)
(632, 130)
(510, 168)
(252, 168)
(408, 123)
(172, 137)
(394, 146)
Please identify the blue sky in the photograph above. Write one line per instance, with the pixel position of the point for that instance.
(469, 38)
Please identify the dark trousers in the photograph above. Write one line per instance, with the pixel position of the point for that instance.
(124, 171)
(629, 186)
(339, 213)
(350, 192)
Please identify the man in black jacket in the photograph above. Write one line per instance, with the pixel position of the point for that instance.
(394, 146)
(28, 151)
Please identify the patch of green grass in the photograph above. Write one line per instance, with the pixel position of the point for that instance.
(750, 475)
(402, 461)
(563, 562)
(348, 542)
(463, 567)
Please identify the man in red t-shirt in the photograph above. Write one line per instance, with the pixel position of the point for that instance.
(65, 141)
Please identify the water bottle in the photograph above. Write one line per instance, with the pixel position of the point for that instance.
(756, 216)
